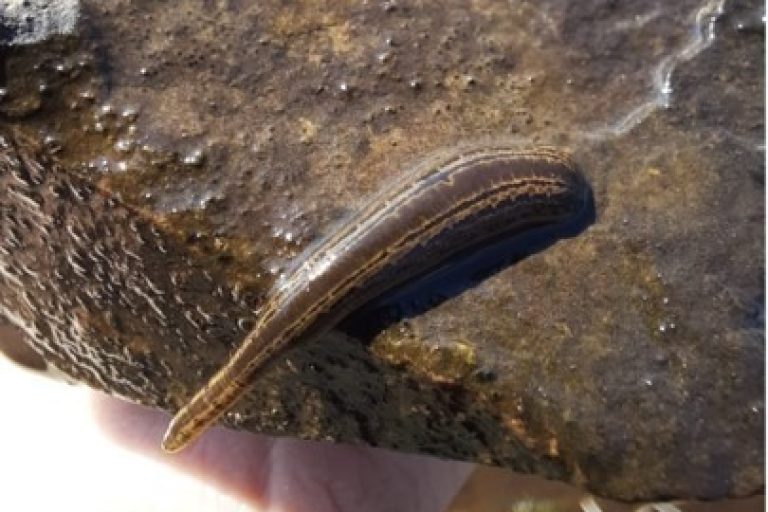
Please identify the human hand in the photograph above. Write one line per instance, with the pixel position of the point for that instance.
(293, 475)
(72, 449)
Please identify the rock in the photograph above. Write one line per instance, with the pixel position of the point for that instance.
(177, 164)
(14, 347)
(32, 21)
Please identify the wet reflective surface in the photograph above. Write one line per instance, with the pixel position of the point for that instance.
(161, 168)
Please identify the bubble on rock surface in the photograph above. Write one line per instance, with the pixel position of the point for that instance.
(194, 157)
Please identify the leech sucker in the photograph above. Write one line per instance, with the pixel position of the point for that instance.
(452, 204)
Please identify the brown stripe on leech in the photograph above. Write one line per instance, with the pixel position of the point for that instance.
(399, 234)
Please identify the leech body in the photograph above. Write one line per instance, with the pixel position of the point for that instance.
(452, 204)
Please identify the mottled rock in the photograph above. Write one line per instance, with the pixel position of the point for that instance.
(32, 21)
(160, 169)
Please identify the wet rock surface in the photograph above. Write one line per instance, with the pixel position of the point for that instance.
(32, 21)
(161, 167)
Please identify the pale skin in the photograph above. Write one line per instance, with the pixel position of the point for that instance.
(292, 475)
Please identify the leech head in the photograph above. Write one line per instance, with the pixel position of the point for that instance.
(190, 422)
(182, 430)
(174, 440)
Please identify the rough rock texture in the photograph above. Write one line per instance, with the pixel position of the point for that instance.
(32, 21)
(162, 166)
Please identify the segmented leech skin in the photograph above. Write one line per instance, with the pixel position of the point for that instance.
(452, 204)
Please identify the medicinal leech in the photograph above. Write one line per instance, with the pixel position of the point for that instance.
(448, 206)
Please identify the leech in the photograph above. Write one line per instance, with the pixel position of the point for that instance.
(449, 205)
